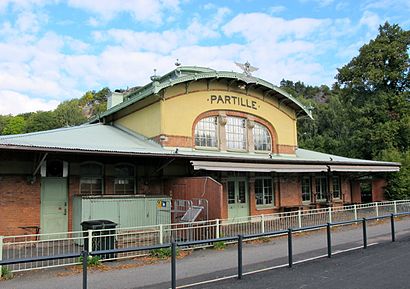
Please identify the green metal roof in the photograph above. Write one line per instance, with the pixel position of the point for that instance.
(191, 73)
(90, 137)
(108, 139)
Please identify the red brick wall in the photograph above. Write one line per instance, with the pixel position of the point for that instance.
(356, 192)
(378, 186)
(198, 187)
(290, 191)
(20, 205)
(345, 186)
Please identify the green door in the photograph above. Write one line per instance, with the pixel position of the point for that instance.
(53, 206)
(238, 199)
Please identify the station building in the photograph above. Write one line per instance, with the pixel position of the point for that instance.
(195, 133)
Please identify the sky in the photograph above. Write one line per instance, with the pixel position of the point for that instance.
(55, 50)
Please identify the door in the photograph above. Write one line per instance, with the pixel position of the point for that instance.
(53, 206)
(238, 198)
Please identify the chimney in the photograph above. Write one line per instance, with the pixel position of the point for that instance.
(114, 99)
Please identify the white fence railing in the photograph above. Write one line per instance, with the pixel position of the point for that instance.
(27, 246)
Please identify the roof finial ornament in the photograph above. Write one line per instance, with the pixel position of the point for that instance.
(177, 63)
(247, 68)
(155, 77)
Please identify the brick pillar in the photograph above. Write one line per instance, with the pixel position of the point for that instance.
(378, 186)
(356, 192)
(252, 200)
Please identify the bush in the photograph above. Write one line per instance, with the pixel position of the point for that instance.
(220, 245)
(6, 274)
(92, 261)
(163, 253)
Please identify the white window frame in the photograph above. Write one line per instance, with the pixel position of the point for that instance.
(121, 178)
(264, 193)
(202, 130)
(321, 191)
(336, 180)
(236, 133)
(91, 179)
(258, 137)
(303, 189)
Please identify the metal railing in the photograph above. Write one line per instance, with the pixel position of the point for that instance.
(38, 245)
(239, 239)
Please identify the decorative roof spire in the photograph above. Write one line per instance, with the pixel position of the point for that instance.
(247, 68)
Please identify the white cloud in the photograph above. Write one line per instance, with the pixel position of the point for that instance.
(12, 102)
(386, 4)
(276, 9)
(248, 25)
(371, 20)
(140, 10)
(321, 3)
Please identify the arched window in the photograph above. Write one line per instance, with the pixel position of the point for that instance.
(261, 138)
(236, 133)
(91, 179)
(124, 181)
(206, 132)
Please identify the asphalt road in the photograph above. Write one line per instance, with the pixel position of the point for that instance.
(383, 266)
(209, 264)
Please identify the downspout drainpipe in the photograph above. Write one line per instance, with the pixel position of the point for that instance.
(329, 195)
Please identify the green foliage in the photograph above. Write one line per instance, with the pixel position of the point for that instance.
(69, 113)
(92, 261)
(14, 125)
(366, 114)
(220, 245)
(398, 183)
(41, 120)
(6, 273)
(163, 253)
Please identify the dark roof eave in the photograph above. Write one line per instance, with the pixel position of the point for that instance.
(191, 157)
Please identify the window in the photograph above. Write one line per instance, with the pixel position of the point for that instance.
(261, 138)
(336, 187)
(231, 192)
(264, 192)
(236, 133)
(306, 189)
(124, 181)
(206, 132)
(91, 179)
(321, 188)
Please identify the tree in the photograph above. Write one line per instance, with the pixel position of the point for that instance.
(15, 125)
(69, 113)
(41, 120)
(375, 87)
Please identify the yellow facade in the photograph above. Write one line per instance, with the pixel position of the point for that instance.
(175, 114)
(146, 121)
(180, 112)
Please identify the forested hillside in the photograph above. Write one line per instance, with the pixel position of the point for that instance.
(68, 113)
(365, 114)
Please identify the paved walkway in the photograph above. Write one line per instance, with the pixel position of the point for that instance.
(206, 264)
(384, 266)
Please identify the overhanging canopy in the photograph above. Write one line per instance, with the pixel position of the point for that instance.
(287, 168)
(374, 169)
(252, 167)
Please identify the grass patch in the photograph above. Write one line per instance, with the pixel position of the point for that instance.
(6, 273)
(220, 245)
(92, 261)
(163, 253)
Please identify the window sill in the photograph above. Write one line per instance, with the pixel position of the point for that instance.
(262, 152)
(236, 150)
(206, 148)
(265, 207)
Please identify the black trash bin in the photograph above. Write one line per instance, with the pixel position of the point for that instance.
(103, 236)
